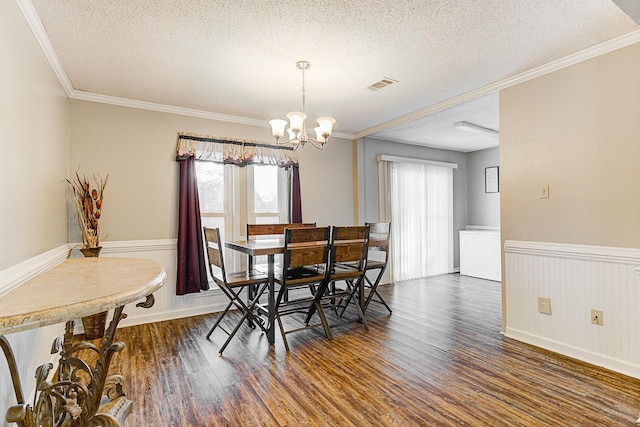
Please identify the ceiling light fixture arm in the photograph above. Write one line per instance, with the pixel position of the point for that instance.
(297, 129)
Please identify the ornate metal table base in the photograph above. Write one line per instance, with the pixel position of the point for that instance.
(78, 394)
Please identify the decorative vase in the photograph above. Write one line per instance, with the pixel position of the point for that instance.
(93, 325)
(91, 252)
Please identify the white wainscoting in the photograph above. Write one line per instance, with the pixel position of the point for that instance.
(577, 278)
(167, 305)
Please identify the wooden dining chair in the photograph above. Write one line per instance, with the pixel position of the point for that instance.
(348, 258)
(304, 270)
(232, 284)
(377, 259)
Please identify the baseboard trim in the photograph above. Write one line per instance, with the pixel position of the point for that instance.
(616, 365)
(172, 314)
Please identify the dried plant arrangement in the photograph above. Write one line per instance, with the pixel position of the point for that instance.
(89, 207)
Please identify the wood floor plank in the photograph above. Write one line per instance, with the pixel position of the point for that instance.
(438, 360)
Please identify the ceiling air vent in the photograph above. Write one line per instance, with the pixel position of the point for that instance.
(386, 81)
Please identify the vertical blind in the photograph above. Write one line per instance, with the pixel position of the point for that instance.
(419, 196)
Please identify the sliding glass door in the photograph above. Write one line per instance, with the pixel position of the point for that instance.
(421, 199)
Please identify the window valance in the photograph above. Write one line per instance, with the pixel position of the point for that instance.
(234, 151)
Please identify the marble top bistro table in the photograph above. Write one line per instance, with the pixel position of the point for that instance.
(73, 289)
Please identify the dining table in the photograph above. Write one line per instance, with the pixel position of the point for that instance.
(269, 247)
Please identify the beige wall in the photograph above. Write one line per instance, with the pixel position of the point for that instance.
(33, 138)
(577, 130)
(33, 168)
(137, 149)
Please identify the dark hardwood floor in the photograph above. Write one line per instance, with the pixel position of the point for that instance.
(438, 360)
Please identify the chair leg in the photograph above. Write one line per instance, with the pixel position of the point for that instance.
(382, 301)
(358, 308)
(284, 335)
(374, 290)
(244, 316)
(347, 302)
(323, 319)
(220, 317)
(256, 319)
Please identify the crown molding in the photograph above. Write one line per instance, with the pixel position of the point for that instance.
(591, 52)
(163, 108)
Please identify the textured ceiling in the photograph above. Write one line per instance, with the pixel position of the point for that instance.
(238, 58)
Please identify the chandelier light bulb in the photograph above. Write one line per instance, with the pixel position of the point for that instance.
(277, 127)
(296, 120)
(326, 125)
(319, 136)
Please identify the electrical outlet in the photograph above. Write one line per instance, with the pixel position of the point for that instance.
(596, 317)
(544, 305)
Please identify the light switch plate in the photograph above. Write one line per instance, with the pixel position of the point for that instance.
(544, 191)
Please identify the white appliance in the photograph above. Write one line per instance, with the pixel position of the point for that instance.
(480, 253)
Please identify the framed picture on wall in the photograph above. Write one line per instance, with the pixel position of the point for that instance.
(491, 180)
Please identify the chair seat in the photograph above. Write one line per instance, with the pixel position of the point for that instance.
(345, 272)
(372, 265)
(264, 269)
(302, 275)
(242, 278)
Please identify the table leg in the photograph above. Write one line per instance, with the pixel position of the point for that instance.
(361, 299)
(271, 335)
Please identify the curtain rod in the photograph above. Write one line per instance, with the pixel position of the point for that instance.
(386, 158)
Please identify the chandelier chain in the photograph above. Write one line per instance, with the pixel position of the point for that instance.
(303, 94)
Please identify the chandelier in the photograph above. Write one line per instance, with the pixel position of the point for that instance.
(297, 130)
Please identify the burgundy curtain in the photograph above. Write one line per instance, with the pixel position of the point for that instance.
(296, 200)
(192, 270)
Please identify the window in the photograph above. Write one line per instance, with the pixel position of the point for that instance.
(268, 194)
(231, 197)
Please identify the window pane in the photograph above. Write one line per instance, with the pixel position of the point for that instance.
(210, 186)
(265, 188)
(267, 220)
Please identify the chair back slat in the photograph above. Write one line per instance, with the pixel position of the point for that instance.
(379, 240)
(350, 233)
(307, 235)
(307, 255)
(254, 230)
(348, 252)
(214, 253)
(378, 229)
(212, 238)
(215, 258)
